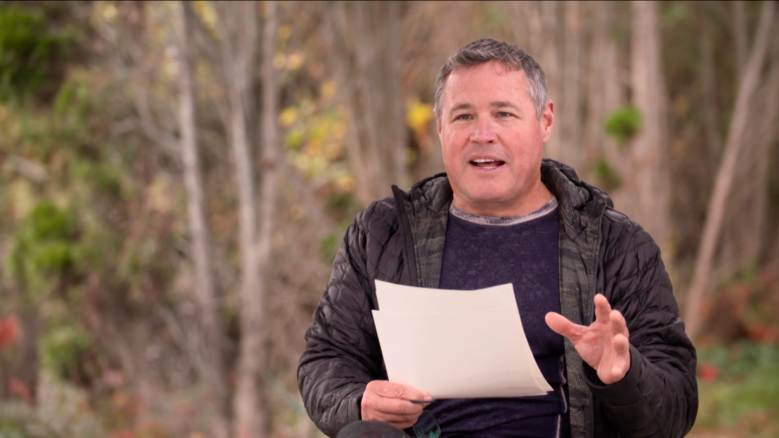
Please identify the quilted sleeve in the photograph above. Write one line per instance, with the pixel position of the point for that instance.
(659, 395)
(342, 352)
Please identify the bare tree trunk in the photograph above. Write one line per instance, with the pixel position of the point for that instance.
(595, 84)
(605, 85)
(724, 180)
(708, 83)
(649, 149)
(767, 135)
(213, 373)
(251, 406)
(570, 147)
(544, 22)
(365, 39)
(744, 222)
(740, 34)
(238, 29)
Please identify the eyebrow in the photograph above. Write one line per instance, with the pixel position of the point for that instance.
(497, 104)
(461, 106)
(503, 104)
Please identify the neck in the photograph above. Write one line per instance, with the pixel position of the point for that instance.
(532, 201)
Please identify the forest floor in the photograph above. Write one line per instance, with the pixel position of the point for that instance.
(738, 391)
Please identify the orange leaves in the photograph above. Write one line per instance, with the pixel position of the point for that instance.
(763, 333)
(9, 331)
(9, 335)
(20, 389)
(708, 372)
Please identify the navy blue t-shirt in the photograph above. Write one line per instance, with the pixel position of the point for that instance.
(481, 252)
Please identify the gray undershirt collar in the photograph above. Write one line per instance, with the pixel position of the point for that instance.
(503, 221)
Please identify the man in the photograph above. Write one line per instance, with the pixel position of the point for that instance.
(595, 301)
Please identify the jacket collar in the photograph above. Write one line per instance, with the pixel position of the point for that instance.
(578, 200)
(426, 206)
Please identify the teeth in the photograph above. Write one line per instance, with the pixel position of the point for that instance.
(483, 160)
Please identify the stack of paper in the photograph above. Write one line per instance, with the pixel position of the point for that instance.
(456, 344)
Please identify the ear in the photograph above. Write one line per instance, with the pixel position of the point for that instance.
(437, 123)
(547, 120)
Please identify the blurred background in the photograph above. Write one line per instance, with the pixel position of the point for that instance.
(175, 179)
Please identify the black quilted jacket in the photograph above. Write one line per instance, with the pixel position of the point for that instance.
(401, 240)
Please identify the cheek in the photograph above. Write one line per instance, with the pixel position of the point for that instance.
(528, 145)
(451, 145)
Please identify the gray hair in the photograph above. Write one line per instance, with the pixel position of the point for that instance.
(486, 50)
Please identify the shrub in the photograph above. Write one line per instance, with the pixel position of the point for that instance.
(624, 123)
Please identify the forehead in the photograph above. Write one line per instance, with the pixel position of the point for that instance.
(492, 80)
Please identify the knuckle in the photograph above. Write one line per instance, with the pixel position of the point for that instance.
(377, 387)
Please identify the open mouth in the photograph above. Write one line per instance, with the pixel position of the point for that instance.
(486, 163)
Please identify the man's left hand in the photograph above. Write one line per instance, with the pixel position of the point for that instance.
(603, 345)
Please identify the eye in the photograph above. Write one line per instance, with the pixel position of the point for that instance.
(462, 117)
(504, 114)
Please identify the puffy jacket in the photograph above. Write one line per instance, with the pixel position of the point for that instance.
(401, 240)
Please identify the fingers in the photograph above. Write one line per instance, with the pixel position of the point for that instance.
(400, 421)
(621, 362)
(618, 324)
(562, 326)
(398, 391)
(602, 308)
(618, 363)
(389, 402)
(621, 345)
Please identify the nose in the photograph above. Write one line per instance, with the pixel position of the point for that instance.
(483, 131)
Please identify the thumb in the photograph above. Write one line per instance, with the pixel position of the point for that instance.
(562, 326)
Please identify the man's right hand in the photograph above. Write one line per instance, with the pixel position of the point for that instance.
(390, 402)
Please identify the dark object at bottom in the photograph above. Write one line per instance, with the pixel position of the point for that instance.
(370, 429)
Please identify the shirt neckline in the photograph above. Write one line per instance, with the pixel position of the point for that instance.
(504, 221)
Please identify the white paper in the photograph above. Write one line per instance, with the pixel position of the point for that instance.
(456, 344)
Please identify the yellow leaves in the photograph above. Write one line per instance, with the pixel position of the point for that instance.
(332, 151)
(339, 130)
(328, 90)
(10, 128)
(344, 183)
(315, 133)
(418, 114)
(284, 32)
(21, 198)
(160, 194)
(279, 60)
(288, 117)
(170, 64)
(291, 62)
(107, 11)
(206, 12)
(295, 61)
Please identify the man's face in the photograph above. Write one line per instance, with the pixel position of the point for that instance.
(492, 141)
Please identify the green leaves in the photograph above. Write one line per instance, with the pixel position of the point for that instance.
(29, 54)
(608, 177)
(745, 396)
(41, 249)
(61, 349)
(624, 123)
